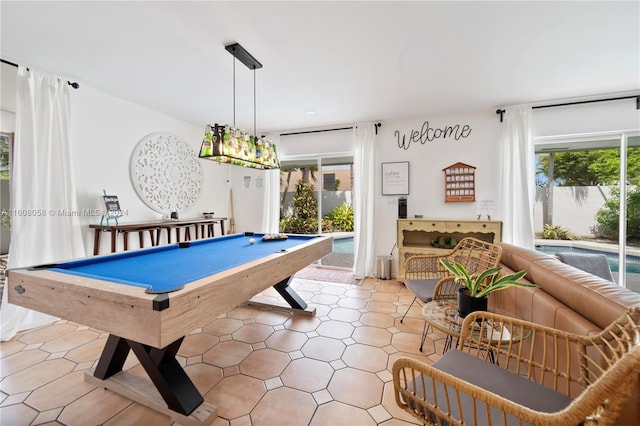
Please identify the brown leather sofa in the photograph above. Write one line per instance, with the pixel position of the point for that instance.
(567, 299)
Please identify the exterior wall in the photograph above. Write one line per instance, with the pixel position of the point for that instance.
(344, 176)
(330, 199)
(576, 216)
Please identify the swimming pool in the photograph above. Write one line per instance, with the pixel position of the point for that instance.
(633, 262)
(343, 245)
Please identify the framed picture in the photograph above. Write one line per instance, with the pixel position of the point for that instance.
(111, 206)
(395, 178)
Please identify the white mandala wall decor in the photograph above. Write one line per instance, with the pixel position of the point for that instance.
(166, 173)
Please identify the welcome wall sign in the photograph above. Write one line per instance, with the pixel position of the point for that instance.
(429, 134)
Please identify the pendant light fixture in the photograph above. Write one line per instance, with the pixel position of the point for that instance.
(227, 144)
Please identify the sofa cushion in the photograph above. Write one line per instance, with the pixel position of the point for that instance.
(577, 301)
(579, 290)
(596, 264)
(519, 258)
(422, 289)
(494, 379)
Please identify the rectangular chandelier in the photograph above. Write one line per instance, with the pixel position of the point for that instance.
(225, 144)
(228, 145)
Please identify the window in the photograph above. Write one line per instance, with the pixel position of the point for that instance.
(585, 185)
(316, 196)
(6, 141)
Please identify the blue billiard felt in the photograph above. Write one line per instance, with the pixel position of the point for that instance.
(168, 268)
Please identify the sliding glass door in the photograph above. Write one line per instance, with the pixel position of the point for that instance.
(630, 241)
(298, 197)
(588, 199)
(6, 144)
(315, 198)
(337, 209)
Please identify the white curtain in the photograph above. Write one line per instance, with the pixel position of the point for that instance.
(518, 178)
(363, 199)
(42, 188)
(271, 202)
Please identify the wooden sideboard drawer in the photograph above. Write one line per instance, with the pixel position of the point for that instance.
(473, 226)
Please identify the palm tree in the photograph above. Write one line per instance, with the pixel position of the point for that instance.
(288, 171)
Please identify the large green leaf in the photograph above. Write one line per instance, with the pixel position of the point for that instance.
(486, 282)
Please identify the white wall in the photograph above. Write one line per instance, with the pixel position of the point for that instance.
(587, 118)
(426, 161)
(248, 196)
(568, 213)
(105, 131)
(426, 178)
(7, 121)
(480, 149)
(313, 143)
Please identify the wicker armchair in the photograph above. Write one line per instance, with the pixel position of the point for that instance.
(551, 378)
(427, 279)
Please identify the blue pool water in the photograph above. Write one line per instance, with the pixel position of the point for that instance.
(343, 245)
(633, 262)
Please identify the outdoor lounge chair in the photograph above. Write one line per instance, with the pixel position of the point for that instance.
(550, 378)
(596, 264)
(423, 273)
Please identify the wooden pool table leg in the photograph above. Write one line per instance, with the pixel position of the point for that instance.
(289, 294)
(113, 357)
(292, 300)
(168, 376)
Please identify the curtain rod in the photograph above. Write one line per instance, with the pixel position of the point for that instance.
(501, 112)
(72, 84)
(326, 130)
(590, 102)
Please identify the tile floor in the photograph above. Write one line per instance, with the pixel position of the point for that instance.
(258, 366)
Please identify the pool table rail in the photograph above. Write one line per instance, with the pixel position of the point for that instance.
(128, 312)
(99, 304)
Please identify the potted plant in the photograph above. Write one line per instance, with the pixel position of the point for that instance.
(476, 287)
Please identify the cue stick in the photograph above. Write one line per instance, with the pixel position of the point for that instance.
(232, 223)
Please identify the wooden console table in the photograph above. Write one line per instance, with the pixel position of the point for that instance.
(155, 229)
(420, 236)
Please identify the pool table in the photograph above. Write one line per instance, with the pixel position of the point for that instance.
(150, 299)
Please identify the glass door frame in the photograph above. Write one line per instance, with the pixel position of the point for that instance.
(307, 159)
(597, 140)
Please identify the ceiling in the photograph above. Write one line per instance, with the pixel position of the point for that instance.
(347, 61)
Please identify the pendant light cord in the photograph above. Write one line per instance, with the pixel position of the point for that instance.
(234, 89)
(255, 135)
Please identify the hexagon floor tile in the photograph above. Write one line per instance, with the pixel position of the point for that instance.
(259, 366)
